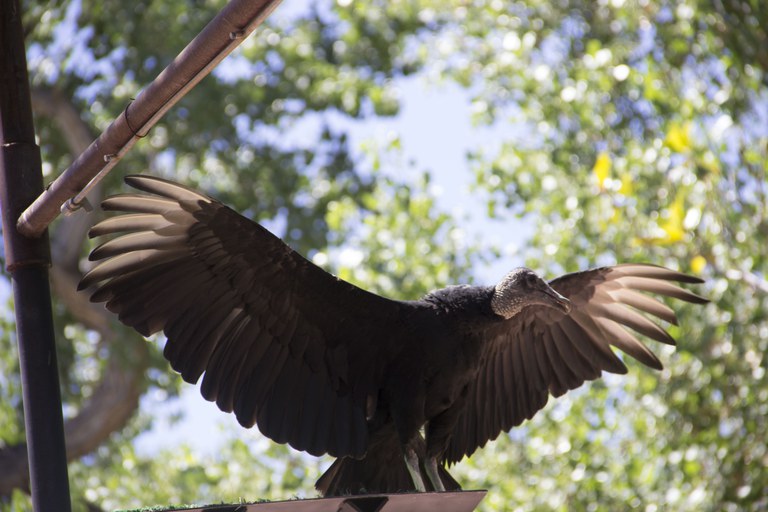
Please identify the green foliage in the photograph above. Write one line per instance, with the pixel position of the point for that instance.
(11, 416)
(641, 147)
(404, 226)
(628, 131)
(241, 472)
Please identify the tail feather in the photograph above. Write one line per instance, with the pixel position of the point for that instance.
(382, 470)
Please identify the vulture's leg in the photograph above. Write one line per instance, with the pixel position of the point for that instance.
(430, 466)
(407, 412)
(438, 435)
(412, 463)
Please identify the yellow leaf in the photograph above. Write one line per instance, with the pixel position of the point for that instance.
(627, 188)
(673, 226)
(602, 168)
(679, 137)
(698, 264)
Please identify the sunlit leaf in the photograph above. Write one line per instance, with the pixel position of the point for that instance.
(602, 168)
(627, 187)
(698, 264)
(673, 224)
(679, 137)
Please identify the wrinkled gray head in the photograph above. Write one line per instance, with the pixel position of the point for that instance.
(522, 287)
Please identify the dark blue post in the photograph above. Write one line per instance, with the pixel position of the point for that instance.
(27, 261)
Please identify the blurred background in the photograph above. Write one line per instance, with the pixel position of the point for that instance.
(406, 146)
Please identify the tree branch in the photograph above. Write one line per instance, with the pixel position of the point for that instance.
(754, 281)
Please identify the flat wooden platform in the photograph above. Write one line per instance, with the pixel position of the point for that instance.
(462, 501)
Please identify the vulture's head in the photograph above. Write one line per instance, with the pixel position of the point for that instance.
(522, 287)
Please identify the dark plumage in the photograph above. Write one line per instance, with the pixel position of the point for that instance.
(326, 367)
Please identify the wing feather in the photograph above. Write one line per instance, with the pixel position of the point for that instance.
(154, 309)
(581, 367)
(542, 351)
(200, 344)
(342, 425)
(505, 410)
(521, 406)
(258, 322)
(231, 366)
(136, 203)
(661, 287)
(129, 262)
(135, 242)
(644, 303)
(596, 350)
(628, 343)
(128, 223)
(545, 367)
(625, 316)
(165, 188)
(321, 435)
(285, 390)
(311, 415)
(563, 378)
(536, 379)
(653, 272)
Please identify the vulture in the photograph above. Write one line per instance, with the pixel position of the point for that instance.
(395, 390)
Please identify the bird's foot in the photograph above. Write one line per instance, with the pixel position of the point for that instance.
(430, 466)
(412, 463)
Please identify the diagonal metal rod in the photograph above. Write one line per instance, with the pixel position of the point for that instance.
(27, 260)
(222, 35)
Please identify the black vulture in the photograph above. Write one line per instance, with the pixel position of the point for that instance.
(327, 367)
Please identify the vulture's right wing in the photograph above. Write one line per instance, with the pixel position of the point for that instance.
(281, 342)
(543, 351)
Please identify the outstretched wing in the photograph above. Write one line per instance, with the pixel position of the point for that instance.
(543, 351)
(282, 343)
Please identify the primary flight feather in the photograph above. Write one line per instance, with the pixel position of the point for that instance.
(327, 367)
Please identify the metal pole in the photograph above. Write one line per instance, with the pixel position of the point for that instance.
(27, 260)
(222, 35)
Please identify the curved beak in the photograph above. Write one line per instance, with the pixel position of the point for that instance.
(559, 302)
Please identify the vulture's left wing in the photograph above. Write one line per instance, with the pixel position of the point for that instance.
(542, 351)
(281, 342)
